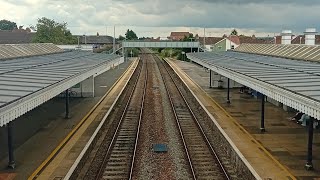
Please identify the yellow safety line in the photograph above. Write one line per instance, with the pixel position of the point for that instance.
(73, 131)
(235, 121)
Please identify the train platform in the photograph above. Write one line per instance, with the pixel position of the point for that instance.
(59, 165)
(278, 153)
(53, 127)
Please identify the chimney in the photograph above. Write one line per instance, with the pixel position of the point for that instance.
(286, 37)
(310, 36)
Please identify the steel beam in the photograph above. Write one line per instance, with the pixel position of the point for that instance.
(67, 104)
(228, 95)
(11, 163)
(309, 165)
(262, 128)
(161, 44)
(210, 83)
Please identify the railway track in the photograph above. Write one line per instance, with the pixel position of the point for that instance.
(203, 160)
(115, 152)
(118, 161)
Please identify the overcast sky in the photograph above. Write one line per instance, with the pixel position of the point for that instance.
(160, 17)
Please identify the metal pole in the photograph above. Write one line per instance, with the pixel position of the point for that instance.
(309, 165)
(210, 79)
(228, 97)
(67, 104)
(204, 38)
(191, 43)
(11, 163)
(124, 58)
(114, 39)
(262, 128)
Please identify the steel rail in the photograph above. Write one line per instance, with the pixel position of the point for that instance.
(107, 154)
(139, 123)
(198, 125)
(180, 129)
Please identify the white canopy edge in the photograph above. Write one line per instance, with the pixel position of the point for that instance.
(301, 103)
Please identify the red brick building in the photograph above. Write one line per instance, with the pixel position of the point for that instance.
(177, 36)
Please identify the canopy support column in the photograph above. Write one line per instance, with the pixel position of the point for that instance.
(228, 95)
(67, 104)
(262, 128)
(309, 165)
(210, 79)
(11, 163)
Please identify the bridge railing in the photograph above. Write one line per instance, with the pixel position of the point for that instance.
(160, 44)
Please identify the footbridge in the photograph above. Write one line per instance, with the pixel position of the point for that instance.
(160, 44)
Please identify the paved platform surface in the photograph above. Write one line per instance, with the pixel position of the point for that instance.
(49, 127)
(284, 141)
(60, 164)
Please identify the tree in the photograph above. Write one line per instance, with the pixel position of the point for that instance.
(234, 32)
(7, 25)
(130, 35)
(121, 38)
(188, 38)
(49, 31)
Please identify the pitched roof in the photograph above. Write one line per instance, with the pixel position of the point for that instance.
(15, 37)
(179, 34)
(210, 40)
(235, 39)
(96, 39)
(254, 40)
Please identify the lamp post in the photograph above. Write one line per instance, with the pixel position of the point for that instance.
(191, 43)
(183, 53)
(85, 40)
(78, 41)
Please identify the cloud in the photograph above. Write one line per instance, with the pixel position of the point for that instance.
(89, 17)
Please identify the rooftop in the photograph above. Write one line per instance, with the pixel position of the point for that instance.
(16, 37)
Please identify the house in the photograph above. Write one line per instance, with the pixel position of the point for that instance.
(233, 41)
(226, 43)
(178, 36)
(16, 36)
(208, 41)
(97, 40)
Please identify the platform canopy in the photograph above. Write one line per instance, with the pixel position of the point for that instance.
(294, 83)
(26, 83)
